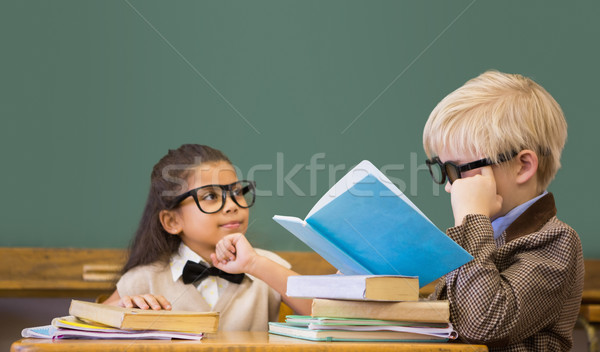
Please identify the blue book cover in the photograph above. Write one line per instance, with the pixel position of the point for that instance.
(365, 226)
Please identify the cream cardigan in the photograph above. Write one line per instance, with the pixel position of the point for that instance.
(248, 306)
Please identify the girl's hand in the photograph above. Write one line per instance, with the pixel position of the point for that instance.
(147, 301)
(475, 195)
(234, 254)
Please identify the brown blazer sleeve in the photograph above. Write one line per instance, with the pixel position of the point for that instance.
(528, 288)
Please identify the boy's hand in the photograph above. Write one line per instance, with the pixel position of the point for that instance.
(234, 254)
(147, 301)
(475, 195)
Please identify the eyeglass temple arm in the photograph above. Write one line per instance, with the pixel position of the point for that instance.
(475, 165)
(485, 162)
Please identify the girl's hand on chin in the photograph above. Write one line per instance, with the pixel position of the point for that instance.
(234, 254)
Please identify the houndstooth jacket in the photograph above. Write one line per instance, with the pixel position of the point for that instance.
(522, 291)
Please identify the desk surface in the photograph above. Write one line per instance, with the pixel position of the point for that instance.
(232, 341)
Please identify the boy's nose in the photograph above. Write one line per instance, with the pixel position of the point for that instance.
(448, 187)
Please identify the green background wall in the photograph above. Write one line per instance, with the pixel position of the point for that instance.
(93, 93)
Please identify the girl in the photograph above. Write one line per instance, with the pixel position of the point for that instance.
(196, 202)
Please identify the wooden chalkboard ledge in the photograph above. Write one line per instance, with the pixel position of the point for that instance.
(53, 272)
(59, 272)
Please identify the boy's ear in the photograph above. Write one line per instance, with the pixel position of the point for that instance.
(527, 165)
(170, 221)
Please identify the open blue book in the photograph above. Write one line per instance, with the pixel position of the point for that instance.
(365, 225)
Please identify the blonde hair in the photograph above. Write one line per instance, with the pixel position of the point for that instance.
(497, 114)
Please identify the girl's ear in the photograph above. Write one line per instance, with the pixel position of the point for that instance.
(527, 165)
(170, 221)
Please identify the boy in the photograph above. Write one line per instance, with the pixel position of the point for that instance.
(496, 144)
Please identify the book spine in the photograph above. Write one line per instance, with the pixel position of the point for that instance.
(165, 321)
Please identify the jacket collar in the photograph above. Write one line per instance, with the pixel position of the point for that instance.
(533, 218)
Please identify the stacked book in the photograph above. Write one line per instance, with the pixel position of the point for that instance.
(99, 321)
(365, 308)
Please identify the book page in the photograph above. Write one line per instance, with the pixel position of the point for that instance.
(358, 173)
(447, 333)
(321, 245)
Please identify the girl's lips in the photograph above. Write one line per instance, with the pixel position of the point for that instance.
(232, 225)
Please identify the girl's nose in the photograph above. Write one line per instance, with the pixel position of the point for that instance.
(230, 206)
(448, 187)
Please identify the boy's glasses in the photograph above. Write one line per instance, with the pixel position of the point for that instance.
(440, 171)
(211, 198)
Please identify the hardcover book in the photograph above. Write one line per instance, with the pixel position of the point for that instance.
(357, 287)
(145, 319)
(410, 311)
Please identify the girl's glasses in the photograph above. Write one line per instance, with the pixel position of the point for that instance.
(211, 198)
(440, 171)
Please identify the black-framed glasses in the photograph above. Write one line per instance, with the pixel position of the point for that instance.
(211, 199)
(440, 171)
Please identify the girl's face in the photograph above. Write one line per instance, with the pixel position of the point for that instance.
(201, 231)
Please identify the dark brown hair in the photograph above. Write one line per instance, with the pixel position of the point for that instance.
(151, 242)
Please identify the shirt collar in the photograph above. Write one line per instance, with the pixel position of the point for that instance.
(532, 219)
(502, 223)
(179, 259)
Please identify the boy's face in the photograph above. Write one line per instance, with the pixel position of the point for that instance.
(202, 231)
(505, 181)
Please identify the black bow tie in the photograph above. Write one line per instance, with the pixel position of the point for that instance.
(196, 272)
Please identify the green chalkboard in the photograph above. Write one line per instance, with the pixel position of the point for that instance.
(93, 93)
